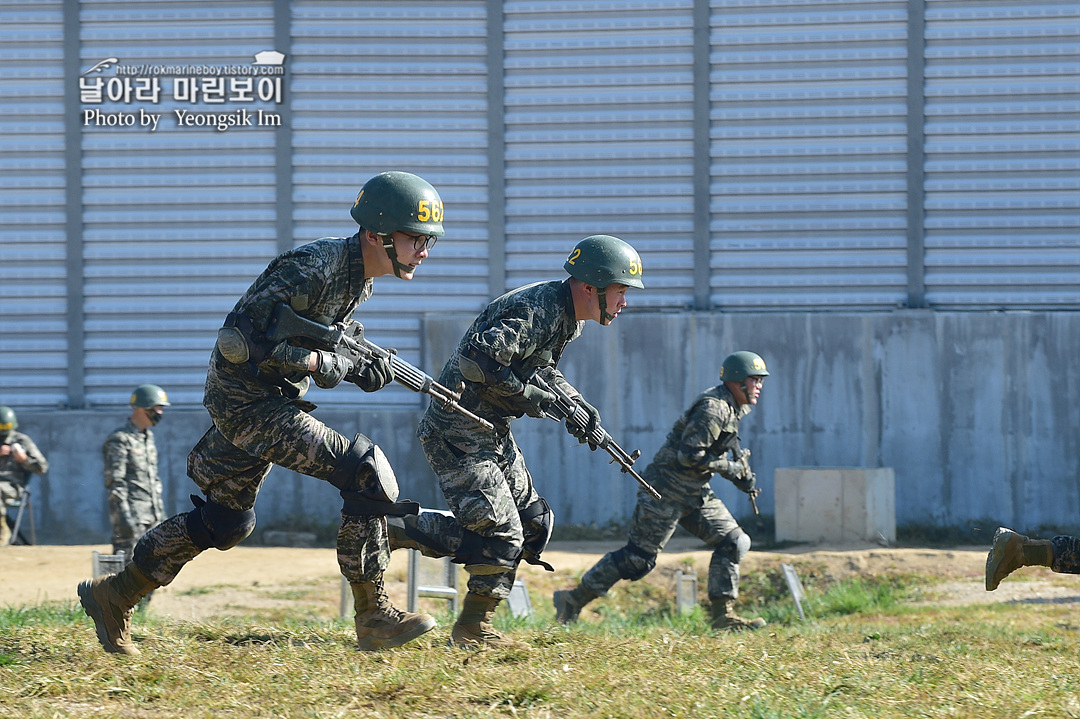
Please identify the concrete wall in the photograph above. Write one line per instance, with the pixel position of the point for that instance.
(977, 412)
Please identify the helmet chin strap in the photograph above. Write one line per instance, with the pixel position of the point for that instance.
(391, 252)
(601, 298)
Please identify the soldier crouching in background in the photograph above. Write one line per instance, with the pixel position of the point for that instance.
(19, 458)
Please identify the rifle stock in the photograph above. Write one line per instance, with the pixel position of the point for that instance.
(565, 407)
(285, 323)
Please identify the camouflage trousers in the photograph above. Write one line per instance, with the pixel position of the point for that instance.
(485, 490)
(230, 463)
(1066, 554)
(651, 527)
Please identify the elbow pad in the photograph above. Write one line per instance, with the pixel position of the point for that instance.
(482, 368)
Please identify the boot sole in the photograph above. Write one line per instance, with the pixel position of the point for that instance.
(371, 644)
(93, 610)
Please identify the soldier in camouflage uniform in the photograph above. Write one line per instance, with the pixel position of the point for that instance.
(254, 394)
(19, 458)
(498, 518)
(704, 440)
(131, 471)
(1011, 550)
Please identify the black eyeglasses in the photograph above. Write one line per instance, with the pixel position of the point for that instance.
(422, 242)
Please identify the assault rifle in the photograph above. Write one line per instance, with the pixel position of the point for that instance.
(351, 344)
(566, 408)
(727, 442)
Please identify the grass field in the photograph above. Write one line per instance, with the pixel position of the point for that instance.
(867, 649)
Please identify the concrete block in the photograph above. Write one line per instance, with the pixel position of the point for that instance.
(835, 504)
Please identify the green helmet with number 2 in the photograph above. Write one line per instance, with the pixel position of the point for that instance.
(602, 260)
(399, 202)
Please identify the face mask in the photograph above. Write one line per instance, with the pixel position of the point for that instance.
(154, 417)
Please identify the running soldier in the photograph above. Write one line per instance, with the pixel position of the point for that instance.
(254, 394)
(131, 471)
(1011, 550)
(704, 440)
(19, 458)
(498, 518)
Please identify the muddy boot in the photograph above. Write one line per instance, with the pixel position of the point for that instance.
(724, 617)
(5, 531)
(1011, 551)
(109, 601)
(473, 628)
(569, 603)
(379, 625)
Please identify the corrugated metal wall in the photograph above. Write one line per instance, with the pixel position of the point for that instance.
(808, 144)
(177, 222)
(394, 85)
(1003, 154)
(808, 134)
(599, 137)
(33, 358)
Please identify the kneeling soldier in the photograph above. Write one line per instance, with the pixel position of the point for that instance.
(698, 445)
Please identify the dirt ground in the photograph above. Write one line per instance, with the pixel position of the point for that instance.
(281, 581)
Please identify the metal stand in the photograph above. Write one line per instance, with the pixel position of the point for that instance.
(103, 564)
(438, 581)
(25, 506)
(519, 603)
(795, 587)
(685, 591)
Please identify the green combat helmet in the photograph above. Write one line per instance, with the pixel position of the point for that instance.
(602, 260)
(146, 396)
(8, 424)
(740, 365)
(399, 202)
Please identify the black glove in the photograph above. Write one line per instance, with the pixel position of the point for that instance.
(376, 374)
(534, 401)
(740, 474)
(582, 433)
(332, 369)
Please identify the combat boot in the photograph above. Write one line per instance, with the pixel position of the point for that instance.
(724, 617)
(569, 603)
(5, 531)
(109, 601)
(1011, 551)
(379, 625)
(473, 629)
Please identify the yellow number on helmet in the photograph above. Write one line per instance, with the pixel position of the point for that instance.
(436, 211)
(635, 266)
(574, 255)
(423, 211)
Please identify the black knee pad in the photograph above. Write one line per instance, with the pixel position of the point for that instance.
(214, 525)
(486, 555)
(633, 562)
(364, 469)
(537, 522)
(735, 545)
